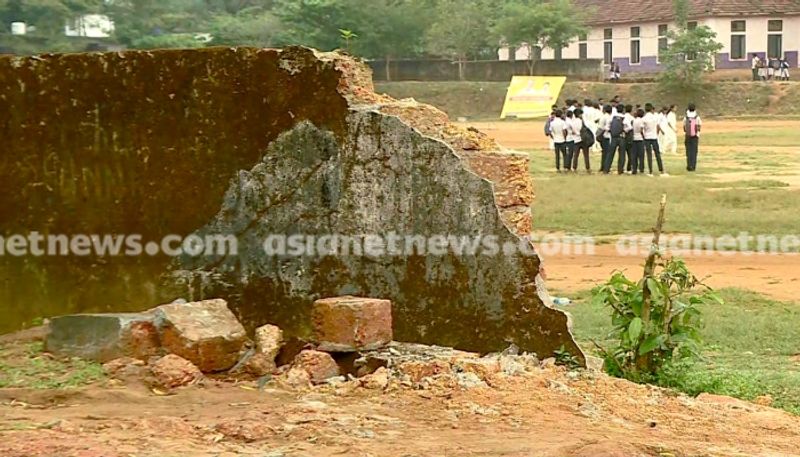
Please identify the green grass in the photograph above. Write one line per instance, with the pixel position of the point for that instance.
(699, 204)
(751, 347)
(28, 367)
(762, 138)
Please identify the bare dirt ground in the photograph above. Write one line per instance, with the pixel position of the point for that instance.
(548, 412)
(774, 275)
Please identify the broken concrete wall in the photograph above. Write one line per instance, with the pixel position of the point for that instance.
(260, 142)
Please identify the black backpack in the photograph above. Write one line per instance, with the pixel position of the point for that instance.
(587, 137)
(617, 127)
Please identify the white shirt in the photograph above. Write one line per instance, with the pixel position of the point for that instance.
(638, 129)
(605, 122)
(672, 121)
(650, 127)
(627, 122)
(557, 127)
(590, 117)
(574, 129)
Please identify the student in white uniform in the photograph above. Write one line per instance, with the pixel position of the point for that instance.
(573, 139)
(670, 131)
(638, 143)
(558, 131)
(651, 140)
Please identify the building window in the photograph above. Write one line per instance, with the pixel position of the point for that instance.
(635, 56)
(663, 41)
(635, 52)
(691, 25)
(738, 40)
(583, 51)
(583, 37)
(775, 40)
(608, 52)
(608, 34)
(558, 54)
(775, 46)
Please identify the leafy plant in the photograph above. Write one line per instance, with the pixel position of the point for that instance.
(656, 320)
(689, 54)
(347, 36)
(566, 358)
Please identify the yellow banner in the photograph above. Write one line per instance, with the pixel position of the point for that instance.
(532, 96)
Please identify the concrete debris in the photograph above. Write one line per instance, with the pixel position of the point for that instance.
(174, 371)
(205, 333)
(103, 337)
(348, 324)
(320, 366)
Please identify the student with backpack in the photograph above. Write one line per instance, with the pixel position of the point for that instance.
(616, 131)
(691, 128)
(586, 141)
(558, 131)
(604, 135)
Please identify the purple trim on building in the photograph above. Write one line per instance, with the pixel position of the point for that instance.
(649, 64)
(723, 61)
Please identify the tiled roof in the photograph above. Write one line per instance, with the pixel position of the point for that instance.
(602, 12)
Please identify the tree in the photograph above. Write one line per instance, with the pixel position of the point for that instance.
(537, 24)
(253, 26)
(459, 30)
(690, 52)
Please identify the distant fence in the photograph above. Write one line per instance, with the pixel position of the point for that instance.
(485, 70)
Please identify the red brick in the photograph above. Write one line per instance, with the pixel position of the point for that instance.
(349, 324)
(319, 365)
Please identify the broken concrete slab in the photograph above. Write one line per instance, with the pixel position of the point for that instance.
(206, 333)
(334, 158)
(103, 337)
(350, 324)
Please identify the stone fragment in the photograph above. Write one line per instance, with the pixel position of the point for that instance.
(259, 364)
(419, 370)
(484, 368)
(205, 333)
(297, 377)
(594, 363)
(378, 380)
(103, 337)
(269, 340)
(319, 365)
(124, 367)
(349, 324)
(174, 371)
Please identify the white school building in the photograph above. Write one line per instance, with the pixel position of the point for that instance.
(630, 33)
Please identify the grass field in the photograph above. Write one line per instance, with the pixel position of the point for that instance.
(748, 180)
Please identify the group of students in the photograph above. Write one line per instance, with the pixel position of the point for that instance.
(769, 69)
(628, 132)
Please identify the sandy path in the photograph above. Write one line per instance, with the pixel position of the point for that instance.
(775, 275)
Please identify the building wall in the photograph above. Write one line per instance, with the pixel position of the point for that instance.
(756, 42)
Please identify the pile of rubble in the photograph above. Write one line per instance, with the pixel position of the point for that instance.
(180, 343)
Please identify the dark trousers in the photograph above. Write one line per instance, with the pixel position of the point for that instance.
(652, 146)
(629, 150)
(561, 151)
(755, 74)
(605, 145)
(580, 147)
(569, 154)
(637, 157)
(692, 144)
(616, 146)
